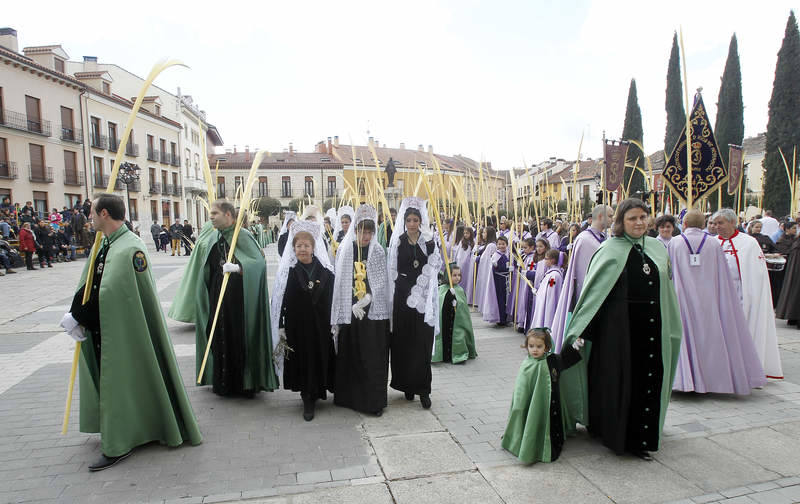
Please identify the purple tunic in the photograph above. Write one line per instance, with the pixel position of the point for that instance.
(583, 248)
(547, 297)
(717, 353)
(484, 281)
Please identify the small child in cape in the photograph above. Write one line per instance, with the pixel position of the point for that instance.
(549, 290)
(535, 429)
(456, 342)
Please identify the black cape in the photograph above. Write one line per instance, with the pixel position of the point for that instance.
(788, 307)
(309, 367)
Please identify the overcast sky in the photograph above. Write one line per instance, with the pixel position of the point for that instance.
(503, 81)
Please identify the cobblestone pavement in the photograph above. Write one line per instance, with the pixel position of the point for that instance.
(716, 448)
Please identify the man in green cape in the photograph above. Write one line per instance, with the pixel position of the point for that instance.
(131, 391)
(385, 229)
(456, 341)
(240, 361)
(629, 316)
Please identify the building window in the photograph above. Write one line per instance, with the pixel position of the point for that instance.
(177, 208)
(176, 187)
(38, 169)
(71, 200)
(154, 210)
(586, 191)
(309, 186)
(331, 187)
(113, 141)
(286, 187)
(59, 65)
(158, 110)
(70, 168)
(165, 212)
(33, 111)
(67, 124)
(151, 148)
(40, 204)
(96, 136)
(106, 88)
(133, 210)
(262, 187)
(237, 183)
(220, 187)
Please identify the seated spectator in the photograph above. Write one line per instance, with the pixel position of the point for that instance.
(66, 250)
(55, 218)
(5, 229)
(6, 254)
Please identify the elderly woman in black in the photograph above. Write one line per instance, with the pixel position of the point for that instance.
(414, 264)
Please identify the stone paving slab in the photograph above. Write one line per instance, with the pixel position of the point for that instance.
(414, 455)
(766, 447)
(558, 482)
(456, 488)
(406, 417)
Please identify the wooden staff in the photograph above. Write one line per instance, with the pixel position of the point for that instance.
(112, 180)
(689, 188)
(234, 239)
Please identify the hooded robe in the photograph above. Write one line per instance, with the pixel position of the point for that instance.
(717, 353)
(131, 393)
(547, 295)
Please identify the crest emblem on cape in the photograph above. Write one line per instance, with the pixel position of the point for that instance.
(139, 261)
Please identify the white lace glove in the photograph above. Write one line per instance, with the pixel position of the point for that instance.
(358, 308)
(494, 263)
(72, 327)
(578, 344)
(533, 290)
(569, 246)
(231, 268)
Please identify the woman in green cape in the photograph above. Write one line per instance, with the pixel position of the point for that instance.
(629, 316)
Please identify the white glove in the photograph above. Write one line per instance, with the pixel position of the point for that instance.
(578, 344)
(231, 268)
(453, 291)
(68, 322)
(358, 308)
(335, 331)
(569, 246)
(77, 334)
(494, 263)
(455, 303)
(533, 290)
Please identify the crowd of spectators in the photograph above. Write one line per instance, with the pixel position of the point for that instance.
(52, 238)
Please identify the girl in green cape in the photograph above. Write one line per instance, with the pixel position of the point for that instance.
(456, 341)
(535, 430)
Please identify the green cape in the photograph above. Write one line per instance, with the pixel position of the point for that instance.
(191, 305)
(137, 396)
(604, 270)
(382, 235)
(528, 430)
(463, 337)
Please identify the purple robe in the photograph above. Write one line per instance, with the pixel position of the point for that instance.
(583, 248)
(522, 294)
(717, 353)
(547, 297)
(464, 260)
(496, 292)
(552, 238)
(664, 241)
(484, 280)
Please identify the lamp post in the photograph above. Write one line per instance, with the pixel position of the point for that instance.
(128, 174)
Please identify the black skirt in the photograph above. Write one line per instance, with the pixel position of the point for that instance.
(362, 365)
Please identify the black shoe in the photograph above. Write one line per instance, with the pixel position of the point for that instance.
(49, 265)
(409, 396)
(425, 400)
(308, 409)
(106, 462)
(379, 413)
(644, 455)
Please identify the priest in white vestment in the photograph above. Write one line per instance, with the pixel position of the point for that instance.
(748, 268)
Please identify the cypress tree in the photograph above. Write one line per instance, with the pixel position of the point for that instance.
(783, 128)
(729, 126)
(632, 130)
(676, 115)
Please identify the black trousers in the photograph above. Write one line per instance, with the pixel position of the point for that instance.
(28, 260)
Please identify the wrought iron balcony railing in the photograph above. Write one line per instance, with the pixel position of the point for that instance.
(22, 122)
(40, 173)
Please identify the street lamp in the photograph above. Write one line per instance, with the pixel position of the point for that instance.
(128, 174)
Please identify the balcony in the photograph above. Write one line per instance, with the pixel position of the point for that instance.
(163, 157)
(8, 170)
(113, 144)
(178, 191)
(135, 186)
(195, 185)
(175, 160)
(17, 121)
(73, 177)
(169, 189)
(99, 141)
(152, 155)
(155, 188)
(70, 134)
(131, 149)
(40, 173)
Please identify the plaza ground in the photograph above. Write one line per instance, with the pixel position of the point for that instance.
(732, 449)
